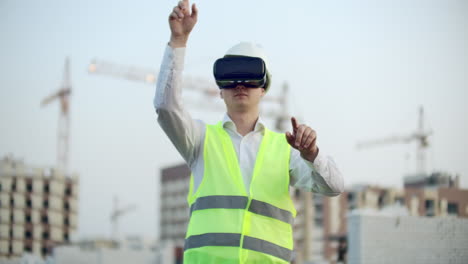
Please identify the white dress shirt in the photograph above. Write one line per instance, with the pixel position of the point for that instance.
(188, 135)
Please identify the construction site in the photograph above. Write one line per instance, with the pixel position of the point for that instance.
(39, 210)
(89, 174)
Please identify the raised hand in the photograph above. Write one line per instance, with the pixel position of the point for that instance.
(181, 23)
(303, 138)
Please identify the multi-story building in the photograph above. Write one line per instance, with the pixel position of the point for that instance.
(435, 195)
(38, 209)
(174, 211)
(308, 227)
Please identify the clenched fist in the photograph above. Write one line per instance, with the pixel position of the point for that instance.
(303, 139)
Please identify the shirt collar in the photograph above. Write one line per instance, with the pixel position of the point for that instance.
(229, 124)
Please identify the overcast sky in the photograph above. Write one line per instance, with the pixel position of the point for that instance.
(358, 70)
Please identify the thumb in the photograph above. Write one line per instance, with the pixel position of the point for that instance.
(290, 139)
(194, 11)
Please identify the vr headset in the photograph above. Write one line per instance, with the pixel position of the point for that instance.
(247, 71)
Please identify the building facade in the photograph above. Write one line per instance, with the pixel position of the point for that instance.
(174, 211)
(38, 209)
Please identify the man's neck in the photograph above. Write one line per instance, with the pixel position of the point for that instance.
(244, 121)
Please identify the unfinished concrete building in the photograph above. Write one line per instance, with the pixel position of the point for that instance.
(38, 209)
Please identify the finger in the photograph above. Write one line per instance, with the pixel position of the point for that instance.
(194, 11)
(178, 12)
(290, 139)
(310, 142)
(173, 16)
(184, 7)
(294, 124)
(299, 135)
(289, 136)
(305, 136)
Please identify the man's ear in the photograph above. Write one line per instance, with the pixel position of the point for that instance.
(263, 92)
(221, 94)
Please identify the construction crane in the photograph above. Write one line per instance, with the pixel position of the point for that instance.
(206, 88)
(116, 214)
(63, 129)
(420, 136)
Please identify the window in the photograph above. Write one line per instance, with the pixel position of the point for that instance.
(28, 234)
(66, 221)
(46, 203)
(318, 222)
(27, 248)
(297, 193)
(452, 208)
(29, 203)
(29, 187)
(44, 251)
(68, 191)
(28, 218)
(430, 210)
(46, 188)
(400, 201)
(65, 237)
(318, 208)
(381, 201)
(45, 235)
(45, 219)
(66, 206)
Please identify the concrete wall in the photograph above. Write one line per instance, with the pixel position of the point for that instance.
(407, 239)
(74, 255)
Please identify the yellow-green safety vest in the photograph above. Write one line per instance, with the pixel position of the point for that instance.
(229, 226)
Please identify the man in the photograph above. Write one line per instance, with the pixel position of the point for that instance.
(240, 207)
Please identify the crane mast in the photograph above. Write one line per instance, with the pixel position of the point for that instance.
(63, 128)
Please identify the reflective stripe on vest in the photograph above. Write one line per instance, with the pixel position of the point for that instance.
(240, 202)
(233, 240)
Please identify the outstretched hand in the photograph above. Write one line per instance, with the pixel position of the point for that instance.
(181, 23)
(303, 138)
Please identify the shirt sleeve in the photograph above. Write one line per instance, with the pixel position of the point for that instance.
(184, 132)
(321, 176)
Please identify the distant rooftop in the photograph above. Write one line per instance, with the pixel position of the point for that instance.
(435, 179)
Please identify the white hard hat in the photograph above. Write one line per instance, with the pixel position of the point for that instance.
(249, 49)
